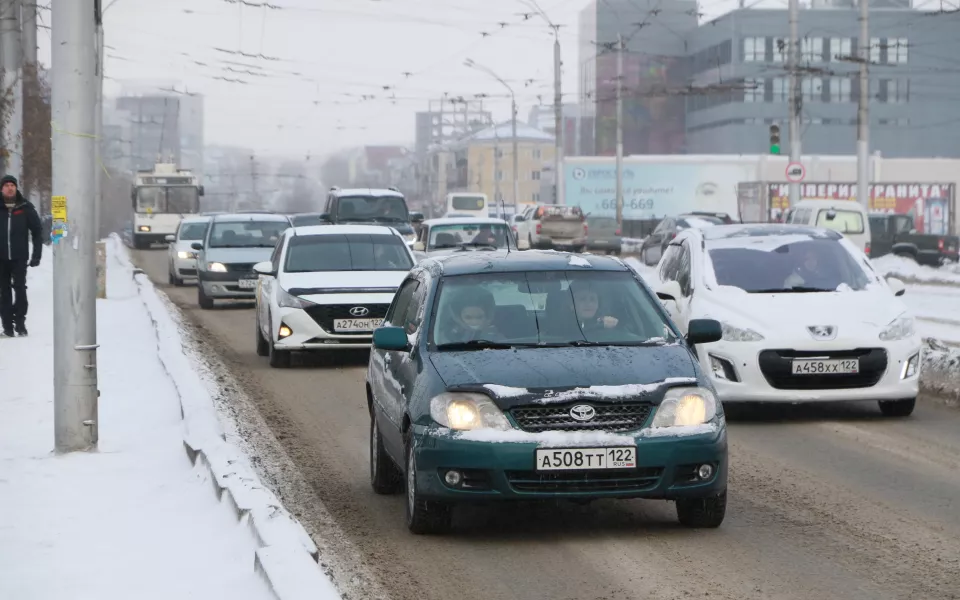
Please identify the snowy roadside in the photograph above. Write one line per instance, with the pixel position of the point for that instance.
(137, 518)
(940, 375)
(909, 271)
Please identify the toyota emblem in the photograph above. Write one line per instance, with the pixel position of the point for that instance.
(359, 311)
(583, 412)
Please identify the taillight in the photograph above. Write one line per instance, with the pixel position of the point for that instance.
(940, 244)
(617, 232)
(539, 228)
(584, 229)
(866, 249)
(673, 235)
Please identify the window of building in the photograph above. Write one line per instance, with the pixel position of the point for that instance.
(839, 49)
(535, 175)
(754, 49)
(499, 175)
(840, 89)
(499, 153)
(897, 51)
(781, 89)
(753, 90)
(811, 50)
(893, 91)
(535, 196)
(811, 89)
(875, 50)
(536, 152)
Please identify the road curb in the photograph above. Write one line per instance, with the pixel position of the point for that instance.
(286, 557)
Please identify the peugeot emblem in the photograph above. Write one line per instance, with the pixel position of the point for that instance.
(359, 311)
(822, 332)
(583, 412)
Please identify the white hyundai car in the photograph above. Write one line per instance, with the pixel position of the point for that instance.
(327, 287)
(805, 317)
(181, 257)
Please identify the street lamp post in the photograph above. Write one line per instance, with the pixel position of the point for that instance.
(513, 112)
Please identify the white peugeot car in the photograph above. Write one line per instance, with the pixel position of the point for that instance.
(327, 287)
(181, 257)
(805, 317)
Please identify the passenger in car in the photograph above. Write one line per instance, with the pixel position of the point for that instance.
(586, 302)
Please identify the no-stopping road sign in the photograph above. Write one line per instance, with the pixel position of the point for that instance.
(795, 172)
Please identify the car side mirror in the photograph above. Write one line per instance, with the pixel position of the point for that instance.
(264, 268)
(416, 217)
(196, 246)
(519, 219)
(897, 286)
(325, 217)
(419, 247)
(523, 244)
(170, 238)
(200, 191)
(704, 331)
(670, 291)
(391, 338)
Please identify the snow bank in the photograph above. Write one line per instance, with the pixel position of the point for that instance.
(281, 538)
(909, 271)
(940, 374)
(631, 245)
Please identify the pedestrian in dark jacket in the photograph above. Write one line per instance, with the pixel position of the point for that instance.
(19, 224)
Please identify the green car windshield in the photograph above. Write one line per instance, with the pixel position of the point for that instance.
(546, 309)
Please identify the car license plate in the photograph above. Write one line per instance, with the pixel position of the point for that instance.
(826, 367)
(580, 459)
(248, 284)
(355, 325)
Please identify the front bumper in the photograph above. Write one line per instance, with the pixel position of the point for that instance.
(506, 470)
(754, 386)
(151, 237)
(185, 267)
(225, 286)
(307, 334)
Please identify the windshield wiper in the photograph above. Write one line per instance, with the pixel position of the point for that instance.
(478, 345)
(797, 289)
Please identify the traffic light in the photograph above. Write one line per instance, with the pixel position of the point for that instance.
(774, 139)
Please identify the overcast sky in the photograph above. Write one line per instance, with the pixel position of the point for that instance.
(314, 77)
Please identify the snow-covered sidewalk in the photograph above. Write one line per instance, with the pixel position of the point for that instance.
(137, 518)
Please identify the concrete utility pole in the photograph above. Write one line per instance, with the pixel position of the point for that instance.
(28, 39)
(10, 48)
(98, 123)
(620, 131)
(73, 71)
(795, 95)
(863, 109)
(558, 110)
(516, 155)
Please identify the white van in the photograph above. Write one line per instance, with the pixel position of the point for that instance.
(464, 204)
(844, 216)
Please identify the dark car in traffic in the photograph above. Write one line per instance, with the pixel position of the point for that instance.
(603, 235)
(897, 234)
(656, 243)
(540, 376)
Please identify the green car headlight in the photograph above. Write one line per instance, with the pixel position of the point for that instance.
(467, 411)
(686, 407)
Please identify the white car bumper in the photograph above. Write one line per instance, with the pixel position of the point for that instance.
(758, 372)
(185, 267)
(312, 329)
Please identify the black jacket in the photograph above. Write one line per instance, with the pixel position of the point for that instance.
(17, 226)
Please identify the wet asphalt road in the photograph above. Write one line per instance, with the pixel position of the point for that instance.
(825, 501)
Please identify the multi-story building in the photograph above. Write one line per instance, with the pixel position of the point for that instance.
(655, 34)
(914, 85)
(483, 162)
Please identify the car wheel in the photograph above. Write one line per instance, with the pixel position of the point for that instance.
(423, 516)
(702, 513)
(530, 239)
(205, 301)
(898, 408)
(263, 346)
(385, 477)
(171, 279)
(279, 359)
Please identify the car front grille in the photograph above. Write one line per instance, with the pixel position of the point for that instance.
(776, 366)
(609, 417)
(324, 314)
(626, 480)
(240, 267)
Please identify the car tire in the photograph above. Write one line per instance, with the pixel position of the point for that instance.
(171, 279)
(279, 359)
(898, 408)
(424, 517)
(385, 476)
(702, 513)
(530, 239)
(205, 301)
(263, 346)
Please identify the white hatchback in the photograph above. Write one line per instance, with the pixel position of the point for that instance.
(805, 317)
(327, 288)
(181, 258)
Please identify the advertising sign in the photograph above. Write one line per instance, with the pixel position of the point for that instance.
(653, 190)
(930, 204)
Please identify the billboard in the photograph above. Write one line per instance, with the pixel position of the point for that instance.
(653, 190)
(930, 204)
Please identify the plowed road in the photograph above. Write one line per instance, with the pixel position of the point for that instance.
(825, 502)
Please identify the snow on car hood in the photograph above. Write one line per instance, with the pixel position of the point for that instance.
(523, 374)
(853, 313)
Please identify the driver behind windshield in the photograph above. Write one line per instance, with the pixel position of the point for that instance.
(810, 273)
(586, 302)
(486, 237)
(473, 311)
